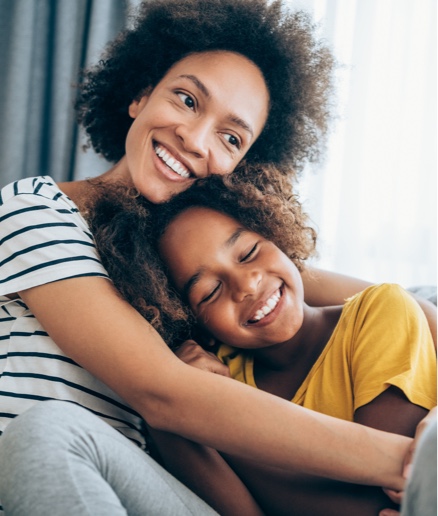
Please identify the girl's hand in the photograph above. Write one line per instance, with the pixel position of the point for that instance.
(396, 496)
(407, 464)
(192, 354)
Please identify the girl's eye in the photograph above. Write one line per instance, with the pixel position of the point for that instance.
(187, 100)
(248, 255)
(232, 140)
(212, 293)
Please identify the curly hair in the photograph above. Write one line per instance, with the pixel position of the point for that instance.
(296, 65)
(127, 230)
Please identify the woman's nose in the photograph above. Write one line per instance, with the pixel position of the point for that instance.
(245, 283)
(195, 138)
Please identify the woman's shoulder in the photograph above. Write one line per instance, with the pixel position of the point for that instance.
(34, 190)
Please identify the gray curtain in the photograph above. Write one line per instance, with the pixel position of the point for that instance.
(43, 45)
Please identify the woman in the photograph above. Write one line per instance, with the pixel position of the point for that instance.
(192, 91)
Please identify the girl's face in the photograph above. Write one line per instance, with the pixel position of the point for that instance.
(242, 288)
(200, 119)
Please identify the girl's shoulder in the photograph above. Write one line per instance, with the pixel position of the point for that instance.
(380, 295)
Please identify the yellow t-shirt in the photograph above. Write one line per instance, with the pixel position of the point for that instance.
(382, 339)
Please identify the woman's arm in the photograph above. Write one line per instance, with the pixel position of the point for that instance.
(91, 323)
(324, 288)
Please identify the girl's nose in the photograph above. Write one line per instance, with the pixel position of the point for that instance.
(245, 283)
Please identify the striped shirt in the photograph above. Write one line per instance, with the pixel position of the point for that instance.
(43, 238)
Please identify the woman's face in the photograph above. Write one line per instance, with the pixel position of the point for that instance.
(240, 286)
(200, 119)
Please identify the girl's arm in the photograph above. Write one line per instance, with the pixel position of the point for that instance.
(324, 288)
(206, 473)
(200, 468)
(91, 323)
(391, 411)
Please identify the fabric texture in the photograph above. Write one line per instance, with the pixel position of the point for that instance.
(58, 459)
(420, 498)
(382, 339)
(45, 44)
(43, 238)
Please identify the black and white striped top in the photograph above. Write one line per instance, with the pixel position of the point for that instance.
(43, 238)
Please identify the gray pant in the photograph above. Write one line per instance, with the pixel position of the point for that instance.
(420, 498)
(59, 459)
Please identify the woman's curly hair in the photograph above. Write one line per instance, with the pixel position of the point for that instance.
(127, 230)
(296, 65)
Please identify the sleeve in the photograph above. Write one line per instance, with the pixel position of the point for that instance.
(43, 240)
(392, 346)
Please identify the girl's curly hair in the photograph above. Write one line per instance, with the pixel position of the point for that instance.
(296, 65)
(127, 229)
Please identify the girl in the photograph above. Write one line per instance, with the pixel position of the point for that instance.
(234, 256)
(186, 92)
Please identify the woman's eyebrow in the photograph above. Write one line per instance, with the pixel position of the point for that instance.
(194, 279)
(199, 84)
(231, 116)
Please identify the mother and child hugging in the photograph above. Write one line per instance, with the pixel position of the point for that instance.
(222, 262)
(164, 347)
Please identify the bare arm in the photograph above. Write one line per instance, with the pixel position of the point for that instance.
(313, 496)
(201, 468)
(324, 288)
(206, 473)
(103, 333)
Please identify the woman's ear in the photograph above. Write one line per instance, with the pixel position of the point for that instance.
(139, 103)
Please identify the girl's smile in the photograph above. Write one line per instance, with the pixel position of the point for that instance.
(201, 118)
(269, 309)
(240, 286)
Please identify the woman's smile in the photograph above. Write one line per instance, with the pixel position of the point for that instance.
(173, 162)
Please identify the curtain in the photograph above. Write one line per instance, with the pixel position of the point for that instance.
(373, 199)
(44, 44)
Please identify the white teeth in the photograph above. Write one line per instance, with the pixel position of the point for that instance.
(171, 162)
(271, 303)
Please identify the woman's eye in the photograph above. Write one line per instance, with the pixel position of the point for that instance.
(187, 100)
(212, 293)
(232, 140)
(248, 255)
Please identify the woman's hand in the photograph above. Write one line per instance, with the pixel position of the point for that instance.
(396, 496)
(193, 354)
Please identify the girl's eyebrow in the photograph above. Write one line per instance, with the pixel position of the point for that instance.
(231, 116)
(235, 236)
(194, 279)
(188, 286)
